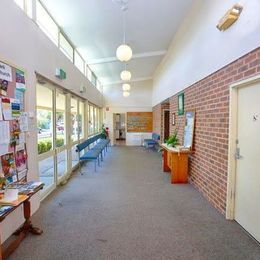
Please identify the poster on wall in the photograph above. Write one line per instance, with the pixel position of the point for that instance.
(189, 129)
(15, 106)
(5, 72)
(20, 160)
(20, 96)
(8, 167)
(3, 87)
(20, 80)
(14, 132)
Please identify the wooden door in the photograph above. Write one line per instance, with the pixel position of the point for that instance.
(166, 124)
(247, 195)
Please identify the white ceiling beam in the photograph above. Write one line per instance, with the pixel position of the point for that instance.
(135, 56)
(132, 80)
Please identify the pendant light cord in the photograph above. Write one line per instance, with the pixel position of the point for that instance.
(124, 26)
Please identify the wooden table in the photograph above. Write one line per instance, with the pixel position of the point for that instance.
(25, 229)
(176, 161)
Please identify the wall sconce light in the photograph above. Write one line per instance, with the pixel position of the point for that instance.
(82, 89)
(230, 17)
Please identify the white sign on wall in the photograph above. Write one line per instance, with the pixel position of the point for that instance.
(5, 72)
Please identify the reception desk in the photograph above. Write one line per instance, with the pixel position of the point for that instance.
(175, 160)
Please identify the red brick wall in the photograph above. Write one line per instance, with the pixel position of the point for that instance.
(208, 166)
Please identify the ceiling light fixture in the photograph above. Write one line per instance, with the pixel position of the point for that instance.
(126, 87)
(124, 52)
(126, 75)
(126, 94)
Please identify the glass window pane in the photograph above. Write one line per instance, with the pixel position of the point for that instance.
(89, 74)
(46, 171)
(44, 119)
(94, 79)
(98, 86)
(29, 8)
(95, 119)
(91, 120)
(20, 3)
(74, 119)
(81, 120)
(60, 119)
(46, 23)
(62, 163)
(79, 62)
(66, 47)
(75, 156)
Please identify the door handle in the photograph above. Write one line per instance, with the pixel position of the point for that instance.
(237, 154)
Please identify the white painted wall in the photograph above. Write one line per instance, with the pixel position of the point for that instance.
(140, 95)
(131, 138)
(140, 100)
(199, 48)
(23, 44)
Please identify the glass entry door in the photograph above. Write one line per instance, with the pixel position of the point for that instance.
(46, 132)
(61, 123)
(61, 135)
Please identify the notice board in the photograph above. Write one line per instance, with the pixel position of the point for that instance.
(13, 124)
(139, 122)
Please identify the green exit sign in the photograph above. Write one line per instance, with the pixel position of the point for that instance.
(60, 73)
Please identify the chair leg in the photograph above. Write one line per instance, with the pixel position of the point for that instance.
(80, 168)
(95, 165)
(98, 161)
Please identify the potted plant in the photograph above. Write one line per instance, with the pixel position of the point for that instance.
(173, 139)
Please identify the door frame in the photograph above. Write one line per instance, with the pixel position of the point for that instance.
(233, 113)
(165, 109)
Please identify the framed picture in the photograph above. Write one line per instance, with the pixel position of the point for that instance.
(173, 118)
(181, 104)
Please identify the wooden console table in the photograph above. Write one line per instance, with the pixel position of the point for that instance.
(176, 162)
(26, 228)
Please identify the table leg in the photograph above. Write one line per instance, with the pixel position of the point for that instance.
(28, 226)
(22, 232)
(165, 162)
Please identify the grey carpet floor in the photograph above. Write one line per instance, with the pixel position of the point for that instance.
(129, 210)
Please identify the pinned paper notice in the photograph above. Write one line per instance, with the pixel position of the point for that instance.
(20, 80)
(1, 111)
(6, 108)
(5, 72)
(15, 106)
(4, 132)
(24, 125)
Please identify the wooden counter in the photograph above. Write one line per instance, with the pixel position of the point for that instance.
(175, 160)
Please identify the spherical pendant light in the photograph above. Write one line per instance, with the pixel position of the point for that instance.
(126, 87)
(124, 52)
(126, 94)
(126, 75)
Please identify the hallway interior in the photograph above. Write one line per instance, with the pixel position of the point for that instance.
(129, 210)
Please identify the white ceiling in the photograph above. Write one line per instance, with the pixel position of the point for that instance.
(95, 28)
